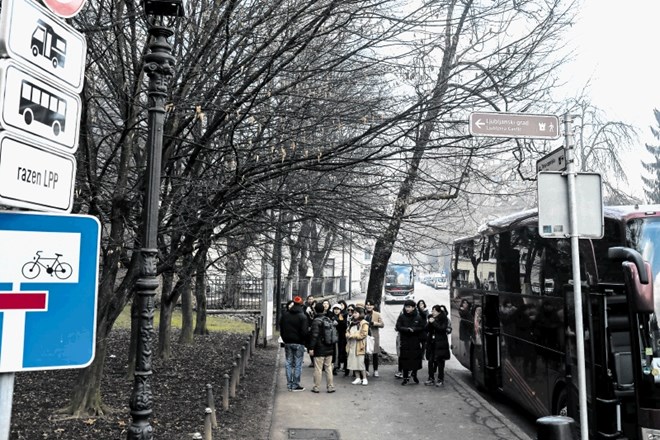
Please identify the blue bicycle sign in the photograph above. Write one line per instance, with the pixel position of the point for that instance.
(52, 266)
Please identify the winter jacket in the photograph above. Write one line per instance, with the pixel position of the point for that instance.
(410, 327)
(375, 323)
(293, 326)
(437, 344)
(316, 341)
(360, 336)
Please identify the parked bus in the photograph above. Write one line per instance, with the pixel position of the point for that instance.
(39, 105)
(512, 307)
(47, 43)
(399, 282)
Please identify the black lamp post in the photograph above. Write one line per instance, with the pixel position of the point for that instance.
(159, 66)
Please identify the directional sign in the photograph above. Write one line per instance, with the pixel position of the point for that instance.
(33, 177)
(48, 291)
(554, 161)
(514, 125)
(37, 108)
(33, 36)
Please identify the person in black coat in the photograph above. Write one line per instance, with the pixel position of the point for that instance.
(410, 326)
(437, 344)
(294, 330)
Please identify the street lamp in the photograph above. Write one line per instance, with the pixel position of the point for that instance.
(159, 67)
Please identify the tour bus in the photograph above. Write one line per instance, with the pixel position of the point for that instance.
(513, 315)
(399, 282)
(39, 105)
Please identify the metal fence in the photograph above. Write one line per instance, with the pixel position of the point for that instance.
(240, 294)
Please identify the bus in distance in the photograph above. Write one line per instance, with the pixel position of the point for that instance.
(513, 314)
(399, 282)
(37, 104)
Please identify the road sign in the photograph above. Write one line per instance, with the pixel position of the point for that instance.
(514, 125)
(554, 219)
(38, 108)
(48, 291)
(33, 177)
(65, 8)
(554, 161)
(33, 36)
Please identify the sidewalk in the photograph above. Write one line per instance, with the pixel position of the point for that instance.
(384, 409)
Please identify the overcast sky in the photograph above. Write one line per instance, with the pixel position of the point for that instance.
(617, 47)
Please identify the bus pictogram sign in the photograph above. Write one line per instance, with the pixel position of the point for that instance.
(35, 38)
(38, 108)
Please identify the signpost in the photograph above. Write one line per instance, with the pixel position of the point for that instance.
(554, 161)
(48, 291)
(514, 125)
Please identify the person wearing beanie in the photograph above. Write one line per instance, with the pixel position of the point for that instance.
(410, 326)
(356, 346)
(293, 331)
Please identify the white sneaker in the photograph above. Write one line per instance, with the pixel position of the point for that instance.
(376, 373)
(365, 382)
(357, 381)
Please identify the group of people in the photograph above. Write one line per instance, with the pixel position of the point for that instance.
(306, 326)
(419, 334)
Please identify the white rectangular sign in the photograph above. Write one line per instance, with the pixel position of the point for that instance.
(33, 36)
(35, 178)
(554, 218)
(38, 108)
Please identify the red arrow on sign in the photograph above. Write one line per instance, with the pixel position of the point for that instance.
(23, 301)
(64, 8)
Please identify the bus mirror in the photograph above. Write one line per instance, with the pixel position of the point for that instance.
(642, 294)
(631, 255)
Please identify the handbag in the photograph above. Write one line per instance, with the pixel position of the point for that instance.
(371, 342)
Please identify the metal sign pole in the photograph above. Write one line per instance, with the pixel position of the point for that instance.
(6, 395)
(577, 282)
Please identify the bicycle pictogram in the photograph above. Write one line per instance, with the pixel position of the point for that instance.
(32, 269)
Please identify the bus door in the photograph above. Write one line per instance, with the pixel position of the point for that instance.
(491, 341)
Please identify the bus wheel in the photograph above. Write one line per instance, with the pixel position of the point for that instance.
(56, 128)
(28, 116)
(561, 403)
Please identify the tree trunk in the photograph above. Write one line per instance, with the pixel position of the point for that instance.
(186, 302)
(385, 243)
(200, 292)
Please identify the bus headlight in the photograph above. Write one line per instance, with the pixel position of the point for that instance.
(650, 434)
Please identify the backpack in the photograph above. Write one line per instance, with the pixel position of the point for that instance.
(329, 335)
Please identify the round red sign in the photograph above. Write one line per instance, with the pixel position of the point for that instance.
(64, 8)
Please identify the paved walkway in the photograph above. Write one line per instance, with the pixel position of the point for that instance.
(386, 410)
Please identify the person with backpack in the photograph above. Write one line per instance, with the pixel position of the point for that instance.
(322, 342)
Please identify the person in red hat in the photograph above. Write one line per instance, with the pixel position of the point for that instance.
(293, 331)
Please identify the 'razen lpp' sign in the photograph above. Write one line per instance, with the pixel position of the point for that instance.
(48, 291)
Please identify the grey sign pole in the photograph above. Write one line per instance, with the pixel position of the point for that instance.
(577, 282)
(6, 394)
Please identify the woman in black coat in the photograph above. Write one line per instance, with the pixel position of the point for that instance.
(410, 327)
(437, 344)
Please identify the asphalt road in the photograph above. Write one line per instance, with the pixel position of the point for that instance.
(432, 296)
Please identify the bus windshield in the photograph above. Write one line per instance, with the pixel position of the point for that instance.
(399, 275)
